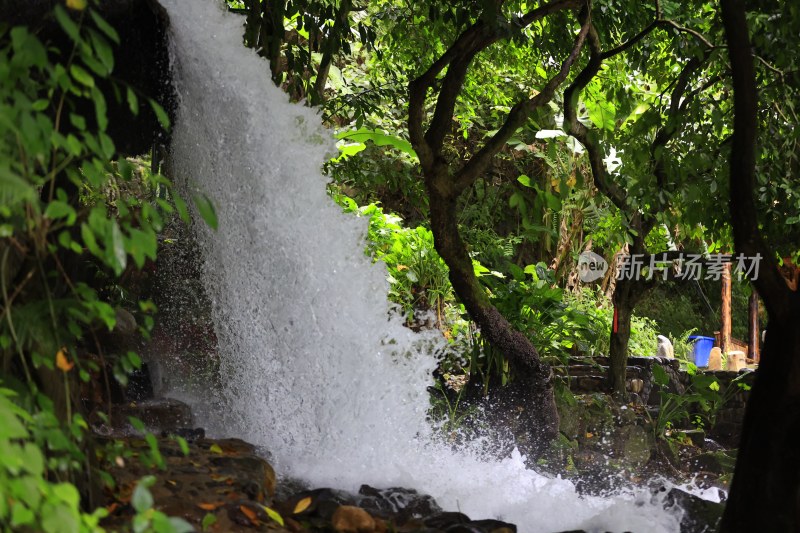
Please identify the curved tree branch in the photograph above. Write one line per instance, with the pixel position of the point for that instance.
(520, 113)
(458, 57)
(585, 136)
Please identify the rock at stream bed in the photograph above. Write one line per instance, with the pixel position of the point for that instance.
(404, 504)
(351, 519)
(158, 415)
(699, 515)
(222, 478)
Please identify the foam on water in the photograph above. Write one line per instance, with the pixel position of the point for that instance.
(314, 367)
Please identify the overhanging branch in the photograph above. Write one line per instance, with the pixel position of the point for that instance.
(520, 113)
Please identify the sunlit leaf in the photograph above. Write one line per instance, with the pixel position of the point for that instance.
(62, 362)
(302, 505)
(206, 210)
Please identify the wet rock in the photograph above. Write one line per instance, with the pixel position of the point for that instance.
(716, 462)
(140, 387)
(444, 520)
(188, 434)
(158, 415)
(317, 503)
(487, 526)
(126, 323)
(403, 504)
(351, 519)
(696, 436)
(216, 477)
(700, 516)
(635, 446)
(254, 476)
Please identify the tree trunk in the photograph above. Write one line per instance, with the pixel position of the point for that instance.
(618, 347)
(765, 492)
(627, 294)
(528, 403)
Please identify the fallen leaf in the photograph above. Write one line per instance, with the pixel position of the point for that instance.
(210, 506)
(77, 5)
(302, 505)
(250, 514)
(215, 448)
(589, 435)
(62, 362)
(400, 268)
(273, 514)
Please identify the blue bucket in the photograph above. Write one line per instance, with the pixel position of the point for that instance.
(702, 349)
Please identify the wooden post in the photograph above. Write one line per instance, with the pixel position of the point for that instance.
(754, 336)
(725, 329)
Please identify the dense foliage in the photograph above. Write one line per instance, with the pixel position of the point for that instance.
(575, 127)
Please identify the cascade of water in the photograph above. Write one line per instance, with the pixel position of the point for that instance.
(314, 367)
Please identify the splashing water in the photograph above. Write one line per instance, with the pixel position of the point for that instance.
(314, 366)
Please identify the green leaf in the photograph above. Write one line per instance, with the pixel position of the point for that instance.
(33, 459)
(161, 115)
(66, 23)
(10, 426)
(58, 209)
(180, 205)
(104, 26)
(602, 114)
(380, 138)
(133, 102)
(120, 257)
(14, 189)
(208, 520)
(78, 121)
(21, 515)
(81, 76)
(100, 108)
(660, 376)
(103, 50)
(141, 499)
(206, 210)
(183, 444)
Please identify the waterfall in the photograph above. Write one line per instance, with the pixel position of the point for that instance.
(315, 367)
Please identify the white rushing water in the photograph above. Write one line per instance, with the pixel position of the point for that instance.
(313, 367)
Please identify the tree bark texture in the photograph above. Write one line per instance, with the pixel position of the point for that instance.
(765, 492)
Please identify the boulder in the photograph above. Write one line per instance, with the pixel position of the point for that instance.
(404, 504)
(699, 515)
(351, 519)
